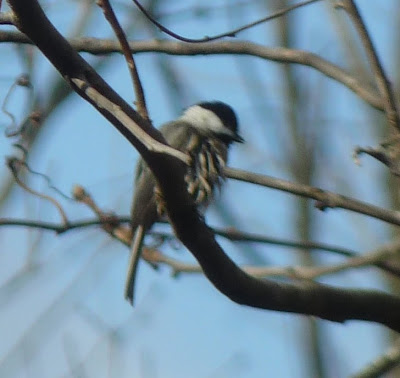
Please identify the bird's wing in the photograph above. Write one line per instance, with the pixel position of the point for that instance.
(144, 207)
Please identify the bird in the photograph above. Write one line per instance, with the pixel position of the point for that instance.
(204, 131)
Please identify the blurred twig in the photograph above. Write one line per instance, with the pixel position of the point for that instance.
(109, 222)
(291, 272)
(15, 164)
(383, 364)
(119, 32)
(12, 129)
(113, 225)
(382, 82)
(324, 198)
(112, 220)
(231, 33)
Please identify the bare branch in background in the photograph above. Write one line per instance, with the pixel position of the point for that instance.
(137, 85)
(387, 154)
(231, 33)
(305, 297)
(22, 163)
(289, 272)
(325, 198)
(109, 222)
(12, 129)
(113, 220)
(383, 364)
(15, 165)
(277, 54)
(382, 82)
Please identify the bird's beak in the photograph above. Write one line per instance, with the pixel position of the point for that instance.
(237, 138)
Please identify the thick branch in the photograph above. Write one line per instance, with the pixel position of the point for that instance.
(30, 19)
(307, 298)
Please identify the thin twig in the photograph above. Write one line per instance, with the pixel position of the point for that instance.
(297, 272)
(383, 364)
(60, 228)
(119, 32)
(381, 154)
(12, 130)
(231, 33)
(240, 236)
(113, 225)
(14, 164)
(371, 258)
(325, 198)
(382, 82)
(109, 222)
(229, 234)
(47, 179)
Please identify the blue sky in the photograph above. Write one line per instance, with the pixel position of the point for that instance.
(68, 307)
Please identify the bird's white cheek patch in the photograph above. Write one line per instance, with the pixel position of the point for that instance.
(205, 120)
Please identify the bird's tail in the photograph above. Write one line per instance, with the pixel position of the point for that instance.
(136, 250)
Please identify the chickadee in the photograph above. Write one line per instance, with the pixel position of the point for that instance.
(205, 132)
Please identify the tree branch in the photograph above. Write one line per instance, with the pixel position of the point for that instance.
(305, 298)
(325, 198)
(383, 364)
(382, 82)
(289, 272)
(137, 85)
(231, 33)
(276, 54)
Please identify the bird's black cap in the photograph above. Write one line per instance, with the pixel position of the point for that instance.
(227, 116)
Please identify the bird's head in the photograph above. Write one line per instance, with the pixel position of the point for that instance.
(214, 118)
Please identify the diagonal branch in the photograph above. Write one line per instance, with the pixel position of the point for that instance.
(137, 85)
(324, 301)
(383, 364)
(382, 82)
